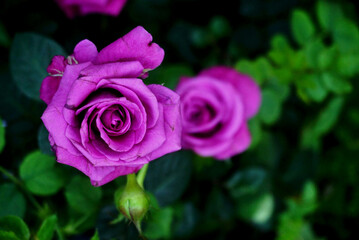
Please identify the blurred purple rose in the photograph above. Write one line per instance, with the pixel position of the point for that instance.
(102, 119)
(83, 7)
(215, 107)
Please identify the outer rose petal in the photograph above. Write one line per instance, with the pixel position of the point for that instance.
(50, 84)
(85, 51)
(172, 120)
(98, 175)
(57, 65)
(240, 143)
(246, 86)
(134, 46)
(48, 88)
(53, 117)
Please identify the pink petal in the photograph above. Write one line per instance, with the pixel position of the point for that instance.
(130, 87)
(240, 143)
(53, 117)
(98, 175)
(170, 102)
(134, 46)
(57, 65)
(91, 76)
(248, 89)
(48, 88)
(85, 51)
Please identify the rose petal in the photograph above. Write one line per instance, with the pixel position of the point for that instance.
(92, 75)
(52, 117)
(57, 65)
(85, 51)
(48, 88)
(221, 92)
(128, 87)
(134, 46)
(98, 175)
(240, 143)
(248, 89)
(170, 102)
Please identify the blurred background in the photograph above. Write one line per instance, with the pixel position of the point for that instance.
(300, 177)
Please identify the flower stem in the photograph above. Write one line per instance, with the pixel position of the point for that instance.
(142, 174)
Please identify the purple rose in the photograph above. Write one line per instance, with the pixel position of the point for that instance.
(102, 119)
(215, 108)
(83, 7)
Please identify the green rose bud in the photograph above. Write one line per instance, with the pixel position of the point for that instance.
(133, 202)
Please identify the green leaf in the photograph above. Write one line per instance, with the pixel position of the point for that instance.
(30, 55)
(82, 196)
(255, 130)
(250, 68)
(15, 225)
(158, 224)
(96, 236)
(312, 51)
(47, 228)
(12, 202)
(271, 107)
(314, 87)
(280, 89)
(168, 176)
(246, 182)
(309, 194)
(346, 36)
(40, 174)
(257, 209)
(280, 50)
(284, 76)
(336, 84)
(6, 235)
(298, 61)
(43, 141)
(348, 65)
(327, 57)
(328, 116)
(289, 227)
(302, 27)
(328, 13)
(2, 135)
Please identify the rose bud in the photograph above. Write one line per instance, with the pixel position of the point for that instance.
(133, 202)
(215, 107)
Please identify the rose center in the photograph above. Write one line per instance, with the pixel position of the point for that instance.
(115, 119)
(200, 114)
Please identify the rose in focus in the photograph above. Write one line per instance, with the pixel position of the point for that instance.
(215, 107)
(84, 7)
(102, 119)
